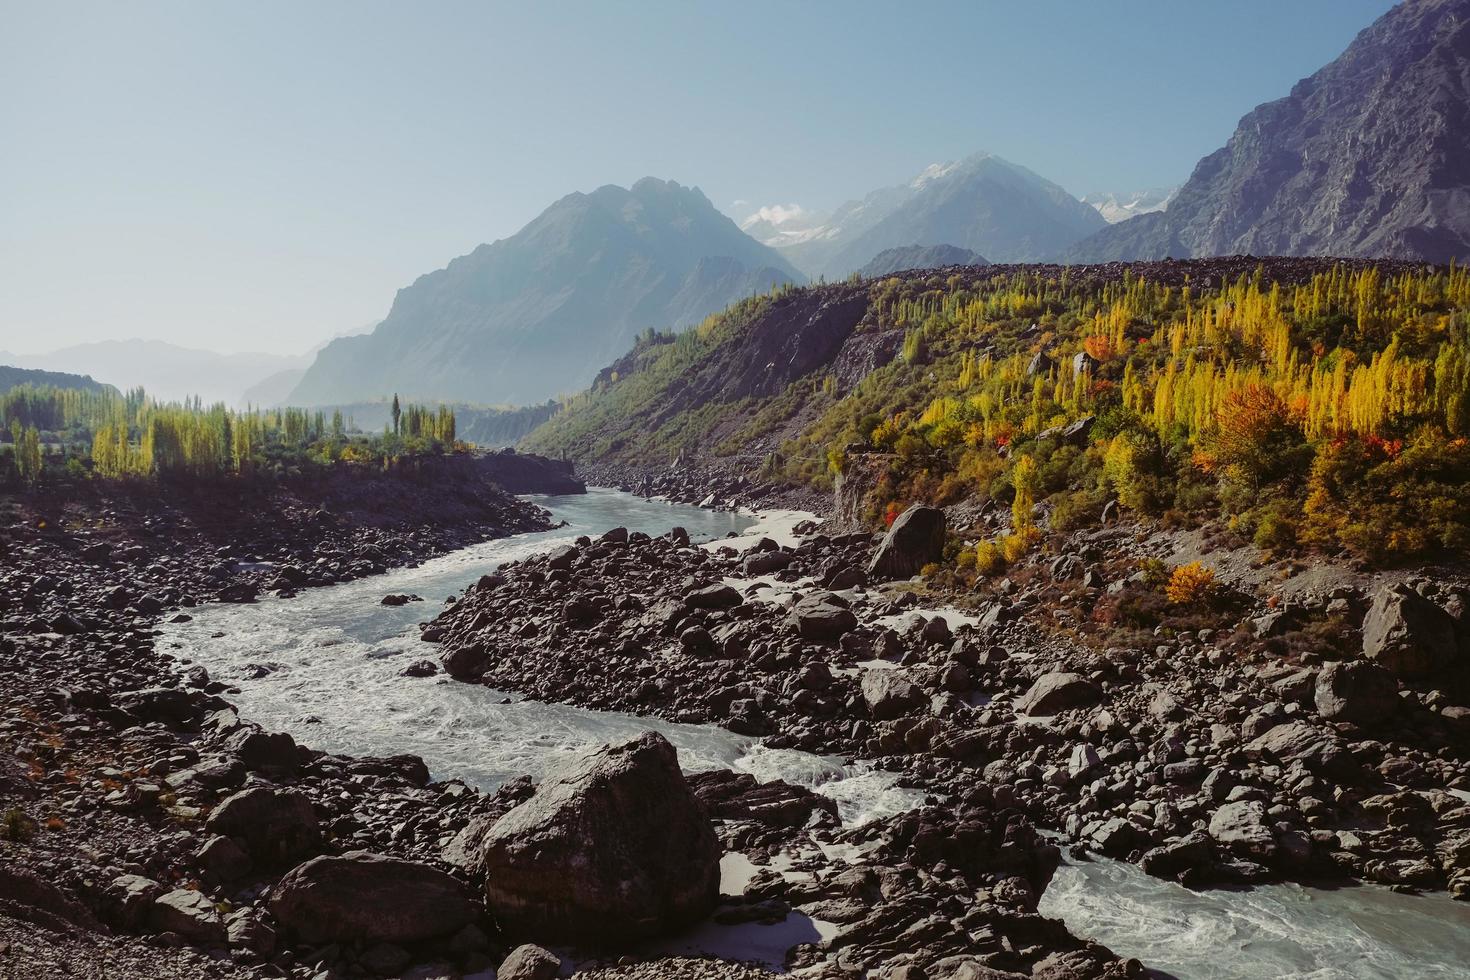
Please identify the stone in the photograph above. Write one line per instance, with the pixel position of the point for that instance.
(614, 846)
(889, 694)
(465, 663)
(713, 597)
(1299, 741)
(766, 562)
(129, 897)
(529, 962)
(1360, 691)
(1189, 853)
(191, 915)
(247, 931)
(369, 898)
(1409, 635)
(1058, 691)
(223, 858)
(1241, 827)
(822, 617)
(273, 825)
(916, 539)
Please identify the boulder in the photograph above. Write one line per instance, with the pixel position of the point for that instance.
(716, 596)
(465, 663)
(1242, 828)
(273, 825)
(613, 847)
(29, 897)
(822, 618)
(1360, 692)
(889, 694)
(191, 915)
(916, 539)
(529, 962)
(1300, 741)
(1058, 691)
(766, 562)
(1409, 635)
(1192, 852)
(369, 898)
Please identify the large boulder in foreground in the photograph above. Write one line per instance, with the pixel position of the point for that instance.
(613, 847)
(1408, 634)
(363, 897)
(915, 539)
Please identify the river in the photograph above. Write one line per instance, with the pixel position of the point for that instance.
(326, 666)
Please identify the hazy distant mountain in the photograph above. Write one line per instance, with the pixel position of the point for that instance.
(1369, 157)
(273, 390)
(982, 203)
(1120, 207)
(892, 260)
(166, 371)
(12, 377)
(538, 313)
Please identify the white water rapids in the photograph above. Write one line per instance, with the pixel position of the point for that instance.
(325, 666)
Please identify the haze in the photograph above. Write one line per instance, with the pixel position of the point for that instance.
(264, 176)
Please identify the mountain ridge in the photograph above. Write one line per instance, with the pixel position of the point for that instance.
(1367, 157)
(536, 314)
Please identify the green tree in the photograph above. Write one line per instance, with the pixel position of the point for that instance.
(397, 415)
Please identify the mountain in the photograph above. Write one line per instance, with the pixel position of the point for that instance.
(536, 314)
(274, 389)
(14, 377)
(168, 372)
(1120, 207)
(1368, 157)
(981, 203)
(906, 257)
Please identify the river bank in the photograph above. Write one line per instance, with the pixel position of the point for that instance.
(326, 666)
(123, 763)
(1149, 930)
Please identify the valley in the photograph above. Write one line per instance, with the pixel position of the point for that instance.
(874, 562)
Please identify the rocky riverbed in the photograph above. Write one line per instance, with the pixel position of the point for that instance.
(1318, 740)
(150, 831)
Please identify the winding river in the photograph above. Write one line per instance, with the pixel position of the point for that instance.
(326, 666)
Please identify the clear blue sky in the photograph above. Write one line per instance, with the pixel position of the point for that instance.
(263, 175)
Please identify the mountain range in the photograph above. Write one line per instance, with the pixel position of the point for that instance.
(982, 203)
(537, 314)
(1369, 157)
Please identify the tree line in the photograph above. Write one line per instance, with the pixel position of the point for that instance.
(64, 433)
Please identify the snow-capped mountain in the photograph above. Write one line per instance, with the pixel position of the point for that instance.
(1120, 207)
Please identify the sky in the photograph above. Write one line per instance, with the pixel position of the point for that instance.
(263, 176)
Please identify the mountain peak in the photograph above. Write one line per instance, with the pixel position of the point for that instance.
(1368, 157)
(539, 313)
(981, 203)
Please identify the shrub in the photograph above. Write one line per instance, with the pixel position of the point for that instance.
(989, 558)
(16, 826)
(1190, 583)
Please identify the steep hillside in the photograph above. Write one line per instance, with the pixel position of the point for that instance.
(1368, 157)
(14, 377)
(892, 260)
(1318, 402)
(538, 313)
(982, 203)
